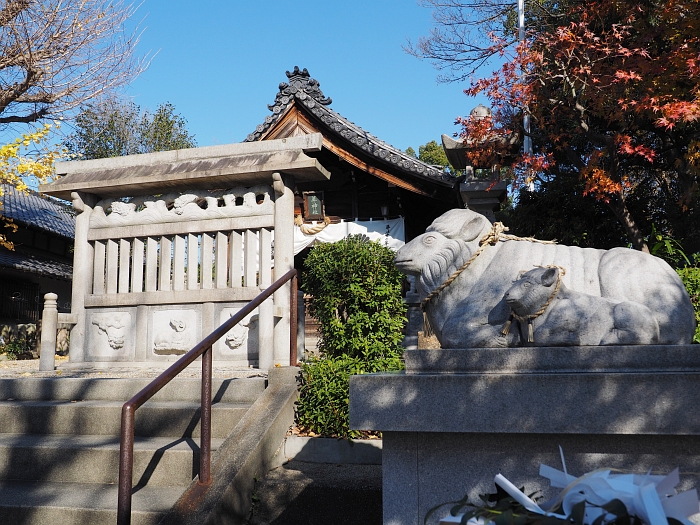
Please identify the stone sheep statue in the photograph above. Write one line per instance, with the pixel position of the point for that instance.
(549, 314)
(468, 309)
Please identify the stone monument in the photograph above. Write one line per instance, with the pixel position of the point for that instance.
(501, 398)
(169, 245)
(482, 189)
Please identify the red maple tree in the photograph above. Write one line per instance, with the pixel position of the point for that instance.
(613, 93)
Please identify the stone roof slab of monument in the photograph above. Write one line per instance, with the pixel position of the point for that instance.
(197, 168)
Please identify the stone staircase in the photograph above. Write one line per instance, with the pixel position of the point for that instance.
(59, 445)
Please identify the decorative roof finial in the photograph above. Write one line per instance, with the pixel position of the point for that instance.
(301, 87)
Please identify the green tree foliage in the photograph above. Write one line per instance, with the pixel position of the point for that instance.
(559, 211)
(112, 128)
(431, 153)
(356, 297)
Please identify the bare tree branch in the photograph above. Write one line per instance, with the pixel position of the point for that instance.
(465, 33)
(55, 55)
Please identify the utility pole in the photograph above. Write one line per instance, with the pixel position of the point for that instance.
(527, 142)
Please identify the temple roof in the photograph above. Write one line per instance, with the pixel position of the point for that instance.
(35, 264)
(306, 92)
(33, 209)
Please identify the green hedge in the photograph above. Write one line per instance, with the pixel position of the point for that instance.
(691, 279)
(356, 297)
(324, 392)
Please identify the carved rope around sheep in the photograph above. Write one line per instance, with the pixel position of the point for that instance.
(490, 239)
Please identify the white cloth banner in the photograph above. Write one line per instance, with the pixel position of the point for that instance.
(389, 231)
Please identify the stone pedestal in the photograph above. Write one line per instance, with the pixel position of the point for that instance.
(456, 418)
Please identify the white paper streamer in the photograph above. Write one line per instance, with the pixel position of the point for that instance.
(651, 498)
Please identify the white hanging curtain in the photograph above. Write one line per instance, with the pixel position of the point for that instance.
(390, 232)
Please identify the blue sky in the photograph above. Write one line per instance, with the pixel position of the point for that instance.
(220, 64)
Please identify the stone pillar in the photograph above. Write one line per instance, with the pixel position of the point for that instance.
(483, 196)
(49, 324)
(266, 327)
(284, 261)
(141, 340)
(266, 322)
(83, 257)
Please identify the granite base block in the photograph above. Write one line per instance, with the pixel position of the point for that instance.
(456, 418)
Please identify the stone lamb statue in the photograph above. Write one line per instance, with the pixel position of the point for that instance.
(467, 308)
(549, 314)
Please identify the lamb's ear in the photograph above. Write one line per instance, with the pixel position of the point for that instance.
(549, 276)
(472, 229)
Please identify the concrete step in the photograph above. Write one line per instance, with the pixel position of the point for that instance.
(38, 503)
(98, 417)
(95, 459)
(244, 390)
(59, 445)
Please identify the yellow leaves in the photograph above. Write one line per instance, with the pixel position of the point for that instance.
(600, 184)
(693, 155)
(28, 156)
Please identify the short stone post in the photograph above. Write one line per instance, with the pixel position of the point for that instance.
(49, 324)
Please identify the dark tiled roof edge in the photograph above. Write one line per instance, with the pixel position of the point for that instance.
(35, 264)
(39, 211)
(306, 91)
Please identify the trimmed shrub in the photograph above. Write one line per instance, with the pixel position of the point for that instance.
(324, 393)
(17, 349)
(356, 297)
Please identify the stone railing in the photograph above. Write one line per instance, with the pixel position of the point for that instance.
(156, 274)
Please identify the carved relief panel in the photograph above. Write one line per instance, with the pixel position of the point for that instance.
(173, 332)
(241, 342)
(110, 335)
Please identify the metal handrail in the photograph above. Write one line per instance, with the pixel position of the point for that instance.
(204, 349)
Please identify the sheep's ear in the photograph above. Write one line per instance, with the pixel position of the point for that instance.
(472, 229)
(549, 276)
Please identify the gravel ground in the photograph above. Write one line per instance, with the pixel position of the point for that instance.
(30, 368)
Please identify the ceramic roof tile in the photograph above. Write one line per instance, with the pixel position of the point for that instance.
(33, 209)
(306, 91)
(35, 264)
